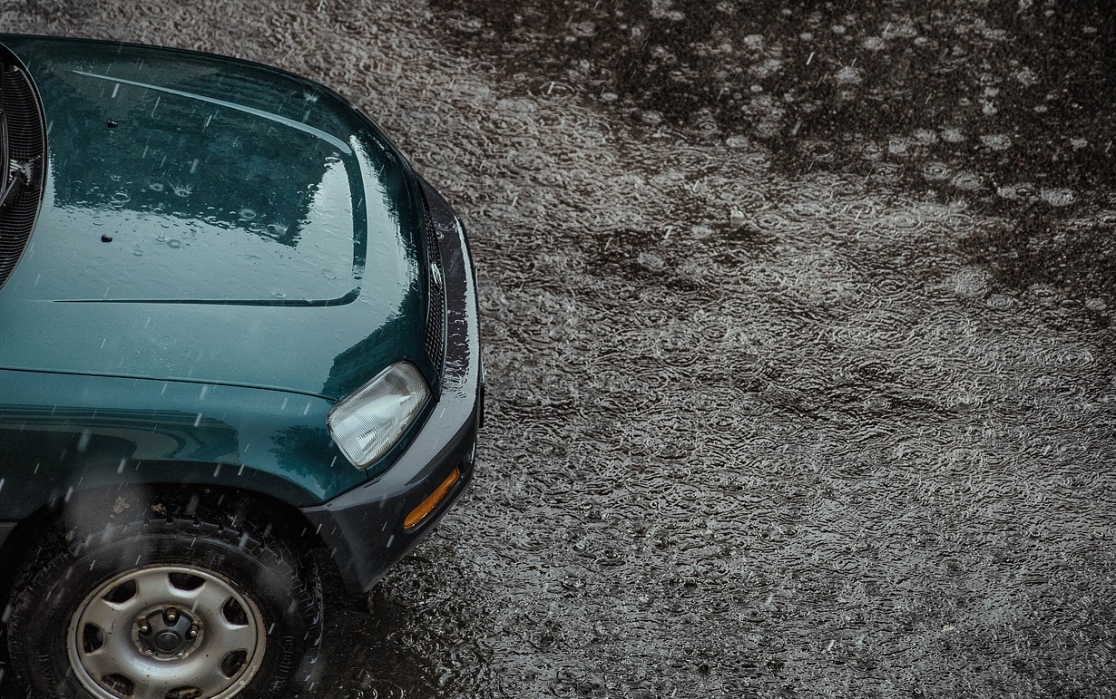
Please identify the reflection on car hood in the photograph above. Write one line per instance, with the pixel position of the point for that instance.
(211, 220)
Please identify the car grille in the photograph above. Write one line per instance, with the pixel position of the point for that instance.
(436, 298)
(25, 141)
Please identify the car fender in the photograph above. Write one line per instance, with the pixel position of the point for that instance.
(62, 434)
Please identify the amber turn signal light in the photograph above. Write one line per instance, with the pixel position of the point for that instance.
(427, 506)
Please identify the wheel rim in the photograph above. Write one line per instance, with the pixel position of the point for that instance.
(166, 632)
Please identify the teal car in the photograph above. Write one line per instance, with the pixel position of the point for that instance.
(235, 326)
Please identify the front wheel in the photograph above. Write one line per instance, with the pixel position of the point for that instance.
(166, 609)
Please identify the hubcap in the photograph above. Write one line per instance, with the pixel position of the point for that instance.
(166, 632)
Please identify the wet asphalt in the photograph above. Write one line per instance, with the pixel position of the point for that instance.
(798, 325)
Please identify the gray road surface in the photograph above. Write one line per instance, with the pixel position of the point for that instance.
(799, 338)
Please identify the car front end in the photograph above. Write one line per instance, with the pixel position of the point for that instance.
(230, 311)
(372, 526)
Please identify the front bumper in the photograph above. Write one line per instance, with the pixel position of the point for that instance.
(363, 528)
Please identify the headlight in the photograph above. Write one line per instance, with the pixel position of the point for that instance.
(369, 422)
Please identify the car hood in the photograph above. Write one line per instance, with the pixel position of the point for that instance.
(211, 220)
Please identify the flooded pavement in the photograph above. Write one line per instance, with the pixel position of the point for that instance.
(799, 339)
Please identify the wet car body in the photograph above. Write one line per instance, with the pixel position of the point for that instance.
(205, 260)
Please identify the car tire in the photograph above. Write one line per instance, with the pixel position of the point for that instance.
(166, 608)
